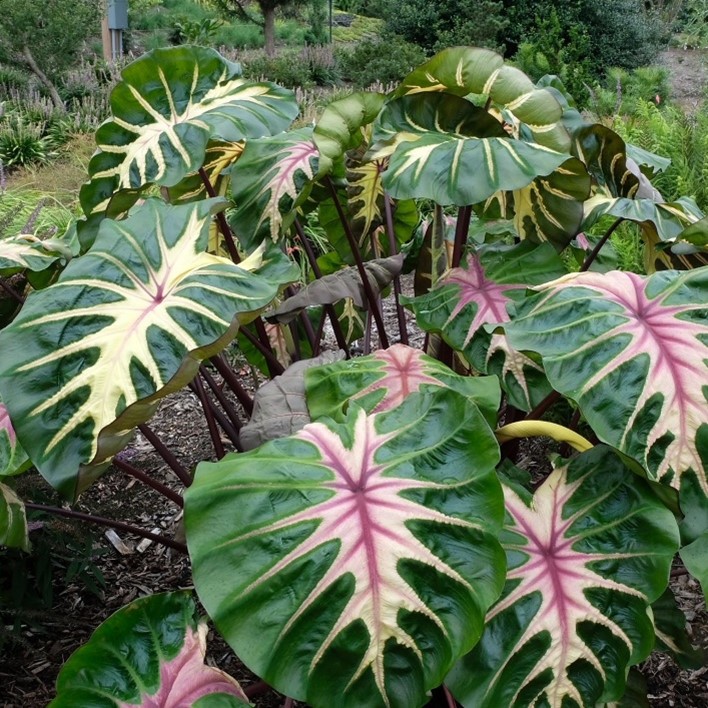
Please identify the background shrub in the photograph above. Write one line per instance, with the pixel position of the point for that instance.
(379, 60)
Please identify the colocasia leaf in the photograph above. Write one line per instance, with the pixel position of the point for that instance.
(632, 351)
(88, 358)
(149, 654)
(383, 380)
(13, 459)
(587, 555)
(476, 294)
(355, 561)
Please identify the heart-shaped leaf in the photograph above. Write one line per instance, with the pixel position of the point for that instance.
(358, 558)
(268, 181)
(13, 522)
(476, 294)
(587, 555)
(645, 337)
(385, 379)
(127, 323)
(465, 70)
(149, 654)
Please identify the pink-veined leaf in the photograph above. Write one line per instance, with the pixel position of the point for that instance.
(476, 294)
(13, 459)
(633, 352)
(357, 559)
(269, 180)
(88, 358)
(149, 654)
(383, 380)
(587, 554)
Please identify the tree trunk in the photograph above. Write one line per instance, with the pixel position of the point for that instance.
(32, 64)
(269, 30)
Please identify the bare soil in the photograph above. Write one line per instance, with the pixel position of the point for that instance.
(688, 76)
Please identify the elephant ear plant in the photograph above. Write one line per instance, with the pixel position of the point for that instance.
(381, 547)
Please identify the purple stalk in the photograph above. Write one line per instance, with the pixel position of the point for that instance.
(461, 230)
(329, 309)
(198, 388)
(221, 220)
(371, 298)
(231, 380)
(593, 255)
(543, 406)
(397, 279)
(166, 454)
(275, 368)
(148, 481)
(223, 401)
(102, 521)
(11, 291)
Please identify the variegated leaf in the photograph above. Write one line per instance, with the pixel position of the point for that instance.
(465, 70)
(149, 654)
(587, 554)
(366, 193)
(439, 166)
(551, 208)
(218, 157)
(13, 522)
(27, 252)
(358, 558)
(168, 105)
(88, 358)
(269, 180)
(384, 379)
(476, 294)
(646, 337)
(340, 126)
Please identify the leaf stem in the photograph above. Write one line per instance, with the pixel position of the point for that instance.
(219, 395)
(166, 454)
(356, 252)
(388, 211)
(221, 219)
(11, 291)
(543, 406)
(198, 388)
(148, 481)
(329, 309)
(111, 523)
(464, 215)
(275, 368)
(593, 255)
(233, 383)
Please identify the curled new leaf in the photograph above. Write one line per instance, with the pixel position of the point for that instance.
(13, 459)
(358, 558)
(343, 284)
(149, 654)
(13, 522)
(88, 357)
(587, 555)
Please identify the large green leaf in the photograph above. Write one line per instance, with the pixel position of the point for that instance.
(127, 323)
(384, 379)
(476, 294)
(633, 352)
(149, 654)
(340, 127)
(465, 70)
(168, 105)
(269, 180)
(453, 169)
(13, 522)
(354, 562)
(27, 252)
(587, 554)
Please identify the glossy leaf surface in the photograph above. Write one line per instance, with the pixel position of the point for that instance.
(269, 179)
(383, 380)
(27, 252)
(632, 351)
(465, 70)
(149, 654)
(356, 560)
(127, 323)
(477, 294)
(587, 554)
